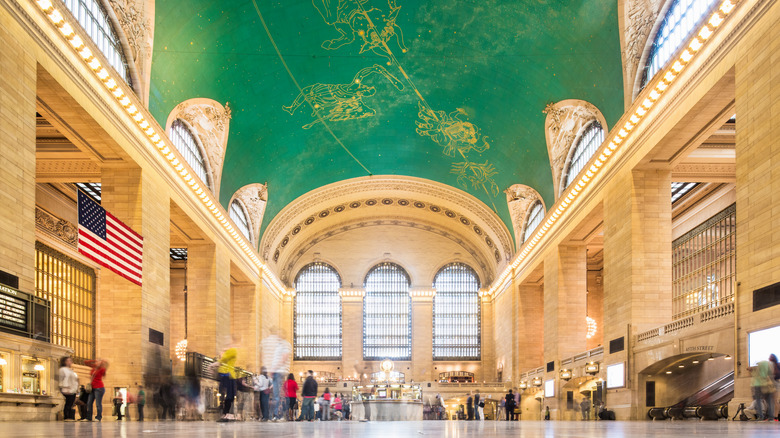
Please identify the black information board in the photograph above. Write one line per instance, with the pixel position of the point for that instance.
(14, 309)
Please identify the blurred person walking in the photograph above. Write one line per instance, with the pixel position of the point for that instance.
(477, 415)
(325, 405)
(276, 356)
(763, 387)
(81, 401)
(141, 402)
(227, 381)
(69, 386)
(99, 369)
(263, 387)
(309, 393)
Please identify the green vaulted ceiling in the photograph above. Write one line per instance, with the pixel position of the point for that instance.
(325, 90)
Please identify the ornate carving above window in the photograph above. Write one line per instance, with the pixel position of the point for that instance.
(210, 121)
(520, 199)
(253, 198)
(564, 123)
(639, 18)
(136, 18)
(56, 227)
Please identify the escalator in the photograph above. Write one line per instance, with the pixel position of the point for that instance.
(709, 403)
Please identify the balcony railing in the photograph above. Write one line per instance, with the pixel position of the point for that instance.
(690, 321)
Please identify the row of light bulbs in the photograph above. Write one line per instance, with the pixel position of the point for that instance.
(618, 137)
(157, 139)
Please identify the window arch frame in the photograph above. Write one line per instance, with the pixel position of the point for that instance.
(575, 158)
(200, 158)
(241, 224)
(439, 295)
(388, 323)
(102, 31)
(308, 355)
(649, 68)
(537, 210)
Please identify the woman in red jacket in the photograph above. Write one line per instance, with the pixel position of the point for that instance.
(99, 368)
(290, 391)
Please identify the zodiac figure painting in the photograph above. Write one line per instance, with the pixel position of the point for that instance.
(451, 131)
(479, 175)
(339, 102)
(357, 18)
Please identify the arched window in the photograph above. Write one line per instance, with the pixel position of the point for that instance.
(535, 217)
(240, 218)
(681, 19)
(589, 142)
(456, 314)
(187, 144)
(317, 331)
(95, 22)
(387, 314)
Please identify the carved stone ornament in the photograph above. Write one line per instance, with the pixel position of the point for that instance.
(137, 22)
(520, 198)
(58, 228)
(640, 17)
(210, 121)
(253, 197)
(565, 121)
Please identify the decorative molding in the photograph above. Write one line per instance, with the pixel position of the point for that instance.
(723, 172)
(254, 198)
(56, 227)
(210, 121)
(563, 125)
(520, 198)
(286, 274)
(346, 193)
(135, 19)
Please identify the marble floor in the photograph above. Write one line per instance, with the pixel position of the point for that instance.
(448, 429)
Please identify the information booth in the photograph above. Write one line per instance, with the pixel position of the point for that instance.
(387, 397)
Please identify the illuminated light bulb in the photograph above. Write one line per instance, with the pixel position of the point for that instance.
(188, 177)
(39, 367)
(589, 174)
(726, 7)
(94, 64)
(591, 324)
(686, 56)
(602, 157)
(634, 118)
(607, 151)
(102, 74)
(570, 197)
(66, 30)
(622, 133)
(170, 156)
(586, 178)
(155, 138)
(181, 350)
(695, 45)
(616, 140)
(131, 109)
(118, 93)
(654, 95)
(628, 126)
(640, 112)
(86, 54)
(716, 19)
(55, 17)
(111, 84)
(45, 5)
(647, 104)
(580, 185)
(565, 202)
(124, 101)
(178, 166)
(144, 124)
(661, 87)
(76, 42)
(669, 76)
(165, 150)
(705, 33)
(598, 163)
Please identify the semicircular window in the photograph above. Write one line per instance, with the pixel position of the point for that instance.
(681, 19)
(387, 314)
(456, 314)
(189, 147)
(317, 331)
(240, 218)
(588, 143)
(95, 22)
(535, 217)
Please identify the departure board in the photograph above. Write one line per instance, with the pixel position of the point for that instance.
(13, 309)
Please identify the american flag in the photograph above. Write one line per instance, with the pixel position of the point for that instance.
(109, 242)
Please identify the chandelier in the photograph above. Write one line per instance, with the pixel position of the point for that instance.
(181, 350)
(591, 323)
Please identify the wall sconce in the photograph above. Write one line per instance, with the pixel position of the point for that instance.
(3, 361)
(566, 374)
(592, 368)
(39, 367)
(523, 385)
(537, 381)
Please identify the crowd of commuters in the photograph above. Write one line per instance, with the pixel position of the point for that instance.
(765, 384)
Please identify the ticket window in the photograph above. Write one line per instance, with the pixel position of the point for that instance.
(33, 376)
(5, 364)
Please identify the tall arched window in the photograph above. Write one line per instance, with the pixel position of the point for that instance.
(589, 142)
(240, 218)
(317, 331)
(535, 217)
(189, 147)
(387, 314)
(456, 314)
(682, 17)
(95, 22)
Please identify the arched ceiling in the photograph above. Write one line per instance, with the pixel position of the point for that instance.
(326, 90)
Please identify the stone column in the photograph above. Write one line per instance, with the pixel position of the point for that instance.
(488, 342)
(245, 319)
(128, 313)
(758, 186)
(352, 332)
(208, 298)
(637, 268)
(17, 155)
(530, 328)
(422, 334)
(565, 278)
(504, 317)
